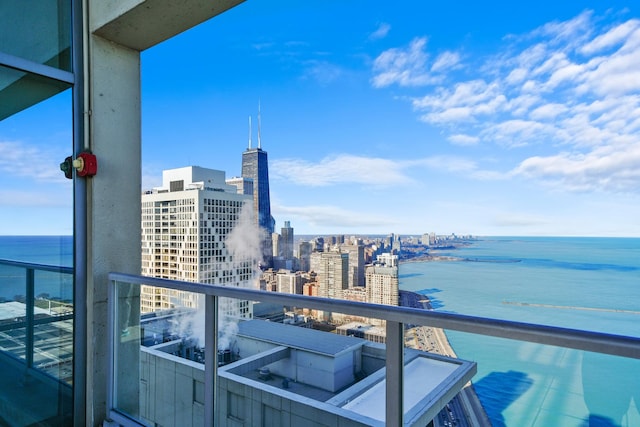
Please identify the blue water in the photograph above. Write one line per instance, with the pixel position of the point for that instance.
(523, 384)
(50, 250)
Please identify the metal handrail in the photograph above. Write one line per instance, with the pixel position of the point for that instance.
(36, 266)
(618, 345)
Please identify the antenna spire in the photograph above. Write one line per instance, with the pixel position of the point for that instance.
(259, 142)
(249, 132)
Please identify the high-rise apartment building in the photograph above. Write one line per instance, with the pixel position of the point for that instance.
(332, 270)
(255, 166)
(356, 264)
(382, 280)
(289, 282)
(186, 224)
(304, 255)
(244, 185)
(276, 245)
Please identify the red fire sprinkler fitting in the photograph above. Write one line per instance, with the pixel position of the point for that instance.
(85, 164)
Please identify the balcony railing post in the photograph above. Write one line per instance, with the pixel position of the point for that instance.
(210, 359)
(29, 317)
(394, 374)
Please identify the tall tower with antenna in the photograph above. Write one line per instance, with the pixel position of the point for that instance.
(255, 166)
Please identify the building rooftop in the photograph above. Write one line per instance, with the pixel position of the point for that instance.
(300, 338)
(423, 379)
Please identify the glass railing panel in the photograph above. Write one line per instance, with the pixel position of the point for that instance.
(53, 324)
(36, 317)
(294, 365)
(127, 337)
(158, 355)
(12, 311)
(527, 384)
(36, 345)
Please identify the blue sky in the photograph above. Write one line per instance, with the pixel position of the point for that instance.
(485, 118)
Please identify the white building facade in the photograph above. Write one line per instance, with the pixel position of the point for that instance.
(382, 280)
(186, 224)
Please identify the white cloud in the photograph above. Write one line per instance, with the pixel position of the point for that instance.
(516, 132)
(445, 61)
(380, 32)
(334, 217)
(529, 57)
(618, 75)
(449, 115)
(405, 67)
(372, 171)
(604, 168)
(614, 36)
(466, 101)
(462, 139)
(566, 73)
(569, 85)
(36, 199)
(18, 159)
(517, 75)
(459, 166)
(548, 111)
(552, 63)
(521, 105)
(344, 168)
(322, 71)
(448, 163)
(572, 32)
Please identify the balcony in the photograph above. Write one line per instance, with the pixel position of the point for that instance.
(36, 344)
(389, 387)
(276, 374)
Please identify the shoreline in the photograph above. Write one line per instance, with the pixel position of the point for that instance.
(435, 340)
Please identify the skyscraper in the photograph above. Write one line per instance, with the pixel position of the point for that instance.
(333, 272)
(304, 255)
(356, 264)
(187, 225)
(255, 166)
(287, 240)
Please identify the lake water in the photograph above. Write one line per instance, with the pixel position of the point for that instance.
(50, 250)
(576, 283)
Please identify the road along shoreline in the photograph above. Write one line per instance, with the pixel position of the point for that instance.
(435, 340)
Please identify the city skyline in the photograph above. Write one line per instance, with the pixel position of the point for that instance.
(507, 120)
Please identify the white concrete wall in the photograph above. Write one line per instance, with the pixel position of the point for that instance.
(169, 390)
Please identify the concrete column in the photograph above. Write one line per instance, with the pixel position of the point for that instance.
(113, 198)
(116, 32)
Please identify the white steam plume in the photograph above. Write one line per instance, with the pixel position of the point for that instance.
(242, 255)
